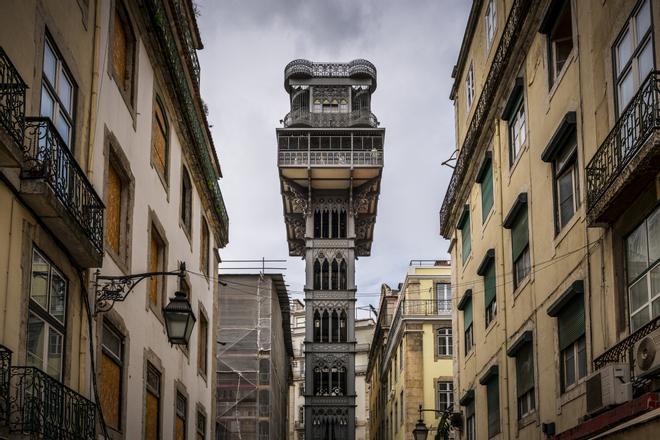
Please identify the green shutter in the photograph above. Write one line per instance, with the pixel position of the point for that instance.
(493, 396)
(466, 240)
(524, 370)
(487, 192)
(489, 284)
(571, 322)
(467, 314)
(519, 235)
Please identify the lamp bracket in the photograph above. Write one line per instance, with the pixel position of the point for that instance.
(112, 288)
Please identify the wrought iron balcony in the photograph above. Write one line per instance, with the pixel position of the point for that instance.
(34, 404)
(612, 165)
(47, 159)
(330, 158)
(623, 350)
(305, 118)
(425, 307)
(189, 46)
(12, 111)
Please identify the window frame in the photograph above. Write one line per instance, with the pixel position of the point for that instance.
(156, 392)
(127, 91)
(490, 21)
(200, 431)
(444, 338)
(186, 202)
(165, 131)
(444, 388)
(466, 239)
(203, 344)
(205, 242)
(493, 385)
(119, 360)
(518, 113)
(487, 181)
(163, 249)
(181, 414)
(569, 155)
(553, 73)
(469, 88)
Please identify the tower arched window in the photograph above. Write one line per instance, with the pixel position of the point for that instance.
(317, 223)
(342, 224)
(334, 275)
(317, 326)
(325, 224)
(343, 327)
(334, 223)
(343, 275)
(325, 275)
(325, 326)
(317, 275)
(334, 328)
(330, 381)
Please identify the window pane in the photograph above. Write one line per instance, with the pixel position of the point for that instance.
(623, 51)
(39, 283)
(643, 21)
(639, 319)
(36, 333)
(655, 289)
(653, 224)
(47, 103)
(112, 342)
(582, 357)
(636, 252)
(57, 301)
(626, 88)
(65, 92)
(63, 128)
(639, 294)
(50, 63)
(565, 194)
(646, 60)
(55, 340)
(569, 366)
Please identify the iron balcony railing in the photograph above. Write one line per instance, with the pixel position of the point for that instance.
(623, 350)
(12, 99)
(331, 158)
(47, 157)
(35, 404)
(425, 307)
(189, 45)
(637, 122)
(333, 120)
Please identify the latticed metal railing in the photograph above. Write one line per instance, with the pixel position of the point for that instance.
(332, 120)
(189, 45)
(195, 126)
(47, 157)
(331, 158)
(12, 99)
(426, 307)
(41, 407)
(637, 122)
(501, 60)
(623, 351)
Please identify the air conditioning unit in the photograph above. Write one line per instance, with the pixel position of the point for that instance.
(607, 387)
(647, 354)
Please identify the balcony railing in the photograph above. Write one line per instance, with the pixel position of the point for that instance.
(637, 122)
(331, 158)
(189, 46)
(623, 351)
(48, 157)
(12, 99)
(332, 120)
(38, 405)
(425, 307)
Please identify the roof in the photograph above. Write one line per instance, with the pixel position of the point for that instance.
(301, 68)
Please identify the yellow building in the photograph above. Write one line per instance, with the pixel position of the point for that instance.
(410, 363)
(552, 212)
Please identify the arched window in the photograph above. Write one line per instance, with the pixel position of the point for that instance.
(325, 224)
(317, 224)
(317, 326)
(325, 275)
(343, 327)
(325, 326)
(335, 224)
(334, 326)
(334, 281)
(342, 224)
(342, 275)
(330, 381)
(317, 275)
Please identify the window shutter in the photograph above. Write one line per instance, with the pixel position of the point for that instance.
(113, 209)
(519, 235)
(467, 314)
(489, 284)
(119, 49)
(524, 370)
(493, 396)
(487, 192)
(571, 322)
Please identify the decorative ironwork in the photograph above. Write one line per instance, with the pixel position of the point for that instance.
(46, 156)
(637, 122)
(309, 68)
(303, 117)
(426, 307)
(196, 128)
(39, 406)
(189, 45)
(330, 158)
(501, 61)
(622, 352)
(110, 289)
(12, 99)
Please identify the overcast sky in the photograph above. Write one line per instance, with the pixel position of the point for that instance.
(413, 44)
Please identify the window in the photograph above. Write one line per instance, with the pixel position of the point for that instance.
(204, 248)
(110, 375)
(490, 296)
(156, 264)
(491, 23)
(560, 41)
(444, 341)
(203, 344)
(47, 317)
(152, 410)
(329, 381)
(469, 88)
(467, 324)
(445, 395)
(516, 220)
(525, 381)
(517, 130)
(186, 200)
(567, 188)
(300, 321)
(181, 417)
(493, 401)
(201, 426)
(401, 407)
(443, 297)
(330, 275)
(485, 180)
(160, 140)
(401, 355)
(633, 54)
(464, 227)
(470, 425)
(330, 223)
(113, 203)
(572, 343)
(643, 271)
(396, 416)
(57, 93)
(123, 51)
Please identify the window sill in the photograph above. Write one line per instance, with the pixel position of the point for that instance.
(489, 328)
(568, 227)
(558, 79)
(485, 222)
(121, 263)
(527, 419)
(465, 263)
(516, 161)
(574, 392)
(520, 287)
(469, 355)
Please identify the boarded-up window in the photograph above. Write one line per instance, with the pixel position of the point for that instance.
(156, 257)
(111, 376)
(202, 350)
(123, 48)
(180, 421)
(113, 203)
(204, 248)
(159, 139)
(152, 412)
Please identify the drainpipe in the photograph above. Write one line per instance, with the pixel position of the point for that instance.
(8, 272)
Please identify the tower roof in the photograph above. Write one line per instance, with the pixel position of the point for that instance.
(301, 68)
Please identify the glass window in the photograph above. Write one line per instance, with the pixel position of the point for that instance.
(470, 423)
(443, 297)
(444, 342)
(567, 189)
(203, 344)
(493, 401)
(490, 294)
(486, 192)
(204, 248)
(466, 244)
(469, 87)
(491, 23)
(525, 381)
(520, 248)
(445, 395)
(517, 131)
(57, 92)
(560, 42)
(156, 264)
(123, 49)
(110, 375)
(572, 343)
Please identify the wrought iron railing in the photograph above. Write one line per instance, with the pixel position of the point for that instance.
(333, 120)
(637, 122)
(623, 350)
(426, 307)
(47, 157)
(501, 60)
(189, 45)
(37, 405)
(342, 158)
(12, 99)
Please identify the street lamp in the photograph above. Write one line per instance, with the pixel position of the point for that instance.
(179, 319)
(421, 431)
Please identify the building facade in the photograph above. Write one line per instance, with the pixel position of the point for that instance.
(552, 215)
(415, 364)
(330, 158)
(104, 137)
(297, 388)
(254, 357)
(364, 332)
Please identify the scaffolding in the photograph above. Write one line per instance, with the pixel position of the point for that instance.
(254, 357)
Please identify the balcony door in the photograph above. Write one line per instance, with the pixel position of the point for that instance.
(443, 297)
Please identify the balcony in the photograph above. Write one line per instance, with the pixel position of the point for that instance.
(12, 113)
(628, 159)
(330, 158)
(57, 190)
(425, 307)
(34, 404)
(305, 118)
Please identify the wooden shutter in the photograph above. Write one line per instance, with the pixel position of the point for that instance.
(467, 314)
(524, 370)
(180, 428)
(519, 235)
(571, 322)
(204, 248)
(113, 209)
(151, 417)
(110, 390)
(159, 139)
(154, 264)
(489, 284)
(493, 397)
(119, 50)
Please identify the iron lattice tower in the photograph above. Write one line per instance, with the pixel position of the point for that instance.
(330, 159)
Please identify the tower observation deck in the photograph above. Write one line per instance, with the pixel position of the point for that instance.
(330, 159)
